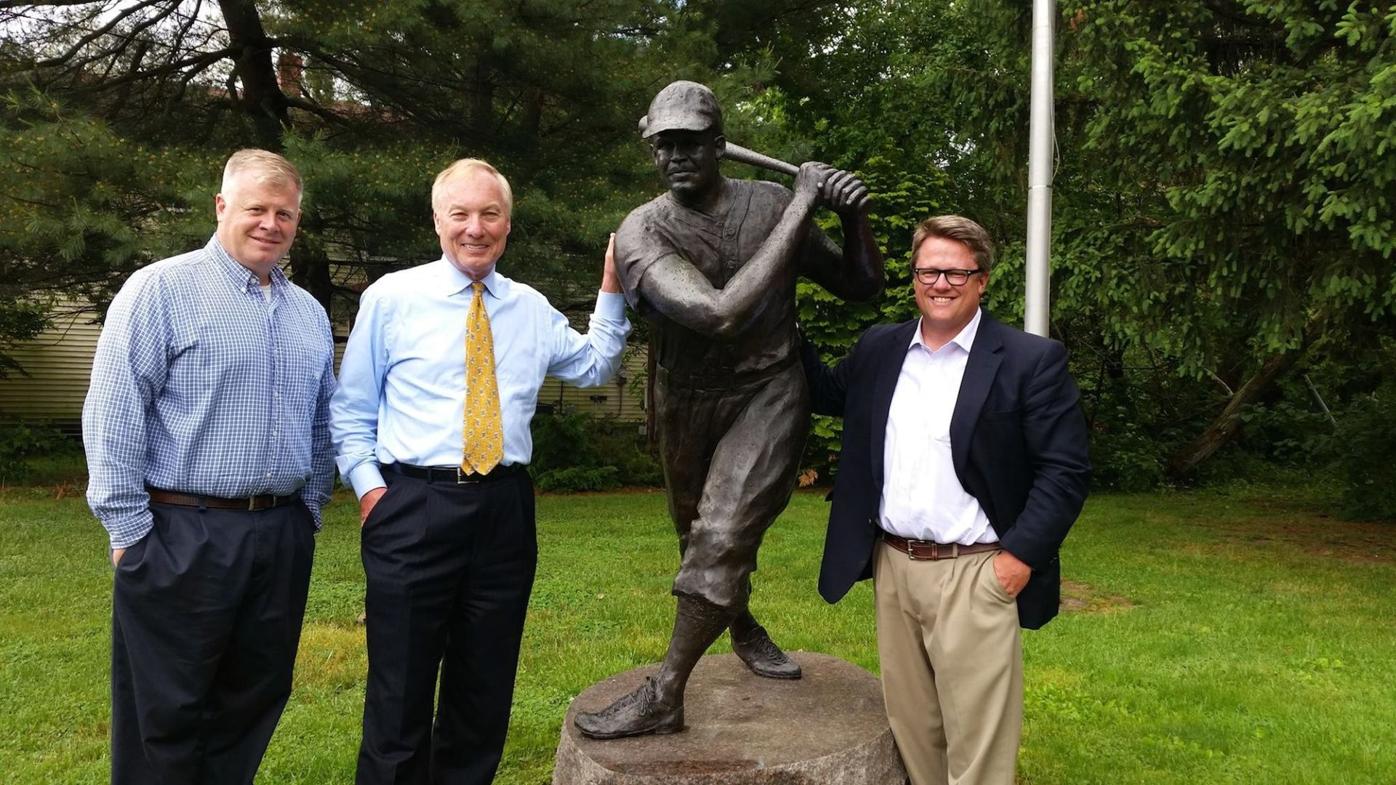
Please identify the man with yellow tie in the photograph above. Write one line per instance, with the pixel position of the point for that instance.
(430, 423)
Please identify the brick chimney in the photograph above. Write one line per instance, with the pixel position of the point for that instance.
(290, 67)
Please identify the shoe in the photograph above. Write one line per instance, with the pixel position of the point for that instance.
(764, 657)
(636, 714)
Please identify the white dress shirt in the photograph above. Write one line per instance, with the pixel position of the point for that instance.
(401, 397)
(922, 498)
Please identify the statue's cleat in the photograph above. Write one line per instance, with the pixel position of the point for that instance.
(764, 657)
(636, 714)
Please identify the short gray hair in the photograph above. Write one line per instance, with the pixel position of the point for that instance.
(465, 166)
(960, 229)
(265, 167)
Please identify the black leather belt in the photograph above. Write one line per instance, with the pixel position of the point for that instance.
(925, 550)
(454, 474)
(250, 503)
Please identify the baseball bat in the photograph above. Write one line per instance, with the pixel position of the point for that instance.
(742, 155)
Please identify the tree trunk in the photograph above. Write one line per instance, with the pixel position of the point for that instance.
(313, 275)
(482, 103)
(310, 266)
(262, 98)
(1224, 426)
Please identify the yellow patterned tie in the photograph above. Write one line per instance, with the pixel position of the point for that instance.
(484, 431)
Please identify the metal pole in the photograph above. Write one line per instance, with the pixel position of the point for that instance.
(1038, 307)
(1321, 404)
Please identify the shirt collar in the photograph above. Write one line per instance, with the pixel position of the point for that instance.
(963, 339)
(453, 281)
(243, 278)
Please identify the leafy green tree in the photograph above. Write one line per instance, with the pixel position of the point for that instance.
(118, 114)
(1251, 140)
(1223, 194)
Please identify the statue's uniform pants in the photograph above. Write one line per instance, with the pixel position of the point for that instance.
(952, 667)
(730, 453)
(206, 618)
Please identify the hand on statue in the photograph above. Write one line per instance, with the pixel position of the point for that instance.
(610, 281)
(845, 194)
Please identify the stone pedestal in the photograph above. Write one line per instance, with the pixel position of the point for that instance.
(828, 727)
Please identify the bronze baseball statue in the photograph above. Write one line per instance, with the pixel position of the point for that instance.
(713, 264)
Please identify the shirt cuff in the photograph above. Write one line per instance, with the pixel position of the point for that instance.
(610, 305)
(365, 477)
(128, 533)
(316, 515)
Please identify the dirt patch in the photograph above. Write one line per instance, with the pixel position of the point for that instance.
(1084, 598)
(1317, 535)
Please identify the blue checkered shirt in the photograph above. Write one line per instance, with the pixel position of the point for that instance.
(202, 386)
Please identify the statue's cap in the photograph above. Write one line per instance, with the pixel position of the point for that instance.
(682, 106)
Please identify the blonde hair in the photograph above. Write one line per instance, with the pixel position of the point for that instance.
(265, 168)
(960, 229)
(465, 166)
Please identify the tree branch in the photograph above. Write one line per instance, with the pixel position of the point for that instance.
(101, 31)
(203, 61)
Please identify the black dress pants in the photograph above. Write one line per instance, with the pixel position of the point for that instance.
(206, 618)
(449, 569)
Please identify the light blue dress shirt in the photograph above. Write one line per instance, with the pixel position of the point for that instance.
(203, 385)
(401, 396)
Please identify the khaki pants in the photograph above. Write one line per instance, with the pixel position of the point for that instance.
(952, 667)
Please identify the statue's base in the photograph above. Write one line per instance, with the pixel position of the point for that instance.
(828, 727)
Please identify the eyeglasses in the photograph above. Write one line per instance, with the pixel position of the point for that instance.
(929, 275)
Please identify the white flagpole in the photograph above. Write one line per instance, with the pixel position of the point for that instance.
(1038, 307)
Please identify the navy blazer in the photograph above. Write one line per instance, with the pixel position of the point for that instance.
(1017, 438)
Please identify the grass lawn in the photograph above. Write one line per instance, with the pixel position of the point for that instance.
(1232, 637)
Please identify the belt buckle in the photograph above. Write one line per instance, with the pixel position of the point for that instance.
(264, 501)
(465, 479)
(921, 550)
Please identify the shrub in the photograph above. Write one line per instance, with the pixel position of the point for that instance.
(576, 452)
(1364, 449)
(822, 449)
(579, 478)
(1125, 460)
(1138, 413)
(21, 441)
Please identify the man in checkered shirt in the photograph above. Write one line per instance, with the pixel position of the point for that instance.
(207, 435)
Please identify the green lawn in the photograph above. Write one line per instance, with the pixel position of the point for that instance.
(1211, 637)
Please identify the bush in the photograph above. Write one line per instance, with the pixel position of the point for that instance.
(1125, 459)
(578, 478)
(576, 452)
(1364, 449)
(820, 460)
(1138, 413)
(21, 441)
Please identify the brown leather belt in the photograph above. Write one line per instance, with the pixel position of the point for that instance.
(251, 503)
(925, 550)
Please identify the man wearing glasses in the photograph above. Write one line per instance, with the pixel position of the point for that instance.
(963, 466)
